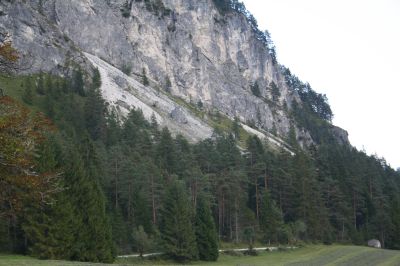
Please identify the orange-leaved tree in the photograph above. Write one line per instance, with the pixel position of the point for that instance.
(9, 56)
(20, 184)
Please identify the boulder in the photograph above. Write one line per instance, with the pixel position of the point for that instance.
(178, 115)
(374, 243)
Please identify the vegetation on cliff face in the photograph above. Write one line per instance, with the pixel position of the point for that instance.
(8, 55)
(226, 6)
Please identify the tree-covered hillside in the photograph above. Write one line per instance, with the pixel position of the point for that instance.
(107, 179)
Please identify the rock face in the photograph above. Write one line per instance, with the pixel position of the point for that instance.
(183, 46)
(178, 115)
(341, 135)
(43, 46)
(124, 93)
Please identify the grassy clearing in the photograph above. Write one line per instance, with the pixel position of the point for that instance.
(310, 255)
(12, 86)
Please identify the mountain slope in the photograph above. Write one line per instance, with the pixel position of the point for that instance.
(188, 48)
(125, 93)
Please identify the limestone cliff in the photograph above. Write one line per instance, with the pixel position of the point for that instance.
(186, 48)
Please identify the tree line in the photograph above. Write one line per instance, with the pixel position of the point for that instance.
(102, 186)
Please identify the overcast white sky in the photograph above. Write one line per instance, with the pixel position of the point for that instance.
(349, 50)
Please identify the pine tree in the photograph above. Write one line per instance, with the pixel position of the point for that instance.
(49, 84)
(256, 169)
(249, 235)
(96, 81)
(177, 233)
(236, 128)
(78, 84)
(394, 238)
(166, 153)
(274, 91)
(206, 234)
(113, 129)
(255, 89)
(145, 80)
(142, 242)
(49, 105)
(40, 88)
(120, 231)
(95, 109)
(27, 95)
(271, 219)
(168, 84)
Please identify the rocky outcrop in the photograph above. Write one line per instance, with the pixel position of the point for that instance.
(374, 243)
(340, 135)
(125, 93)
(185, 47)
(42, 45)
(178, 115)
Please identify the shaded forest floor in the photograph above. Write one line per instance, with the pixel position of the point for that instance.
(309, 255)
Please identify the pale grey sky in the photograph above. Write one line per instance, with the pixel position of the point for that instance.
(349, 50)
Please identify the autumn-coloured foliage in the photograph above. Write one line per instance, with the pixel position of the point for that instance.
(20, 183)
(8, 52)
(9, 56)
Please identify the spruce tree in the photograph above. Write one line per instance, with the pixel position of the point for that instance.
(50, 228)
(271, 219)
(93, 240)
(206, 234)
(177, 233)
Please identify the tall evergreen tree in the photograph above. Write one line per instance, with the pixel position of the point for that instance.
(394, 237)
(78, 84)
(28, 93)
(93, 240)
(206, 234)
(166, 154)
(271, 219)
(236, 128)
(142, 242)
(145, 80)
(40, 87)
(95, 109)
(177, 233)
(50, 228)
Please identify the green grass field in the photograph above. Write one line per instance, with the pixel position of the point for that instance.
(312, 255)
